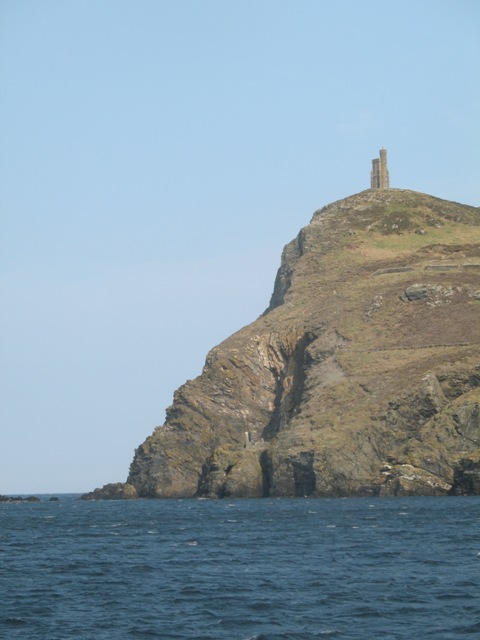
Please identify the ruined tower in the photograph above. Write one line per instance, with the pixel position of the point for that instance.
(379, 178)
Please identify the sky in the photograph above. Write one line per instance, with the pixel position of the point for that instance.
(155, 158)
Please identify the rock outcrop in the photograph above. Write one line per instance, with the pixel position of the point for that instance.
(361, 378)
(16, 499)
(113, 491)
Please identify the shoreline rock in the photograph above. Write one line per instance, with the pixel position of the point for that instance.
(113, 491)
(15, 499)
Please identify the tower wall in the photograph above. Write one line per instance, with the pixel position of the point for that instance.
(375, 174)
(384, 176)
(379, 176)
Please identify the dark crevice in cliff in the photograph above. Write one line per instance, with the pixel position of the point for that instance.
(289, 386)
(303, 474)
(267, 473)
(466, 478)
(208, 468)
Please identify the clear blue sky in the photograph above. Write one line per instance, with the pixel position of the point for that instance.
(155, 158)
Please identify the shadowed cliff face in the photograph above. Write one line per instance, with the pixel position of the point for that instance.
(361, 378)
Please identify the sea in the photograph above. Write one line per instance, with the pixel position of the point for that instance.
(264, 569)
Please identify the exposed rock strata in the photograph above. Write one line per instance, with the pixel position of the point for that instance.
(361, 378)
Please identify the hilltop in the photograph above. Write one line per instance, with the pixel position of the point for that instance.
(361, 378)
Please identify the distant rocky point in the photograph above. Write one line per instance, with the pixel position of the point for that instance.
(19, 499)
(362, 378)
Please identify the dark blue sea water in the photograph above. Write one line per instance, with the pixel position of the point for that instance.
(244, 569)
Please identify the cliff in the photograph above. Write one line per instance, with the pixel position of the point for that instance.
(361, 378)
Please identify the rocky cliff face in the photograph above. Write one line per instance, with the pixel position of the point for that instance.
(361, 378)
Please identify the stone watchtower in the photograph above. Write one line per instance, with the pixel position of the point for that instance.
(379, 178)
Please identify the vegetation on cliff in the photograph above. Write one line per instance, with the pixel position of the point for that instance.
(361, 378)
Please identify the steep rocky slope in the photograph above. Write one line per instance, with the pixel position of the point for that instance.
(361, 378)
